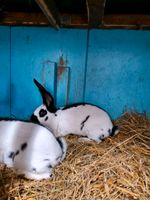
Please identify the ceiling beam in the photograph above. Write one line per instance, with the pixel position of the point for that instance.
(95, 12)
(39, 19)
(50, 11)
(76, 21)
(23, 18)
(137, 21)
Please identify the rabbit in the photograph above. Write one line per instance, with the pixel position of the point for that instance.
(83, 119)
(30, 149)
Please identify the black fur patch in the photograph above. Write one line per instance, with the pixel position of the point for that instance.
(46, 118)
(24, 146)
(55, 114)
(102, 138)
(80, 104)
(60, 143)
(49, 166)
(17, 152)
(59, 157)
(109, 131)
(112, 133)
(73, 105)
(34, 169)
(83, 122)
(34, 119)
(52, 108)
(42, 112)
(11, 155)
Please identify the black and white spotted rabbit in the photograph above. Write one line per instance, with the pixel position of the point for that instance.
(81, 119)
(30, 149)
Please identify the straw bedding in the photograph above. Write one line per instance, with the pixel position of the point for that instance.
(118, 168)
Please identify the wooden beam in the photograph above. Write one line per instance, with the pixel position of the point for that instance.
(76, 21)
(38, 19)
(73, 21)
(137, 21)
(23, 18)
(50, 11)
(95, 12)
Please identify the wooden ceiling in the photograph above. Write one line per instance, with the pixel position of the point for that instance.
(107, 14)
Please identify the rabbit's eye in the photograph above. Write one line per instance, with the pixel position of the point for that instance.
(42, 113)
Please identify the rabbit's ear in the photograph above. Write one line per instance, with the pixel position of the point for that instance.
(48, 100)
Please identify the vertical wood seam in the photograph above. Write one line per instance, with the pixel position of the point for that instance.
(10, 65)
(86, 63)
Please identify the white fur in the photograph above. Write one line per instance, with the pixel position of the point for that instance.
(95, 121)
(42, 149)
(80, 119)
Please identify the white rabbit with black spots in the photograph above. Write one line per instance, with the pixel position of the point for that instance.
(30, 149)
(81, 119)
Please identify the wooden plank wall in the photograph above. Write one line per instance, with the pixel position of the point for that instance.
(118, 72)
(109, 68)
(34, 54)
(5, 101)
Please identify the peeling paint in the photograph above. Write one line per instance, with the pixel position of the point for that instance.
(60, 71)
(61, 66)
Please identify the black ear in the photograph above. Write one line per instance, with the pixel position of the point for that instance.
(48, 100)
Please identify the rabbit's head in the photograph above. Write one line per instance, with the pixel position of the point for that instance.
(45, 112)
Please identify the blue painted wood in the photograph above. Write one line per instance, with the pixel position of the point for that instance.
(117, 77)
(62, 86)
(28, 62)
(118, 71)
(4, 71)
(48, 76)
(24, 93)
(33, 48)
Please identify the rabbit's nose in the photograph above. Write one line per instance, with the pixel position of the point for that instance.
(34, 119)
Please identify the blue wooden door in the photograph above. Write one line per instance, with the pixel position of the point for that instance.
(118, 70)
(34, 54)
